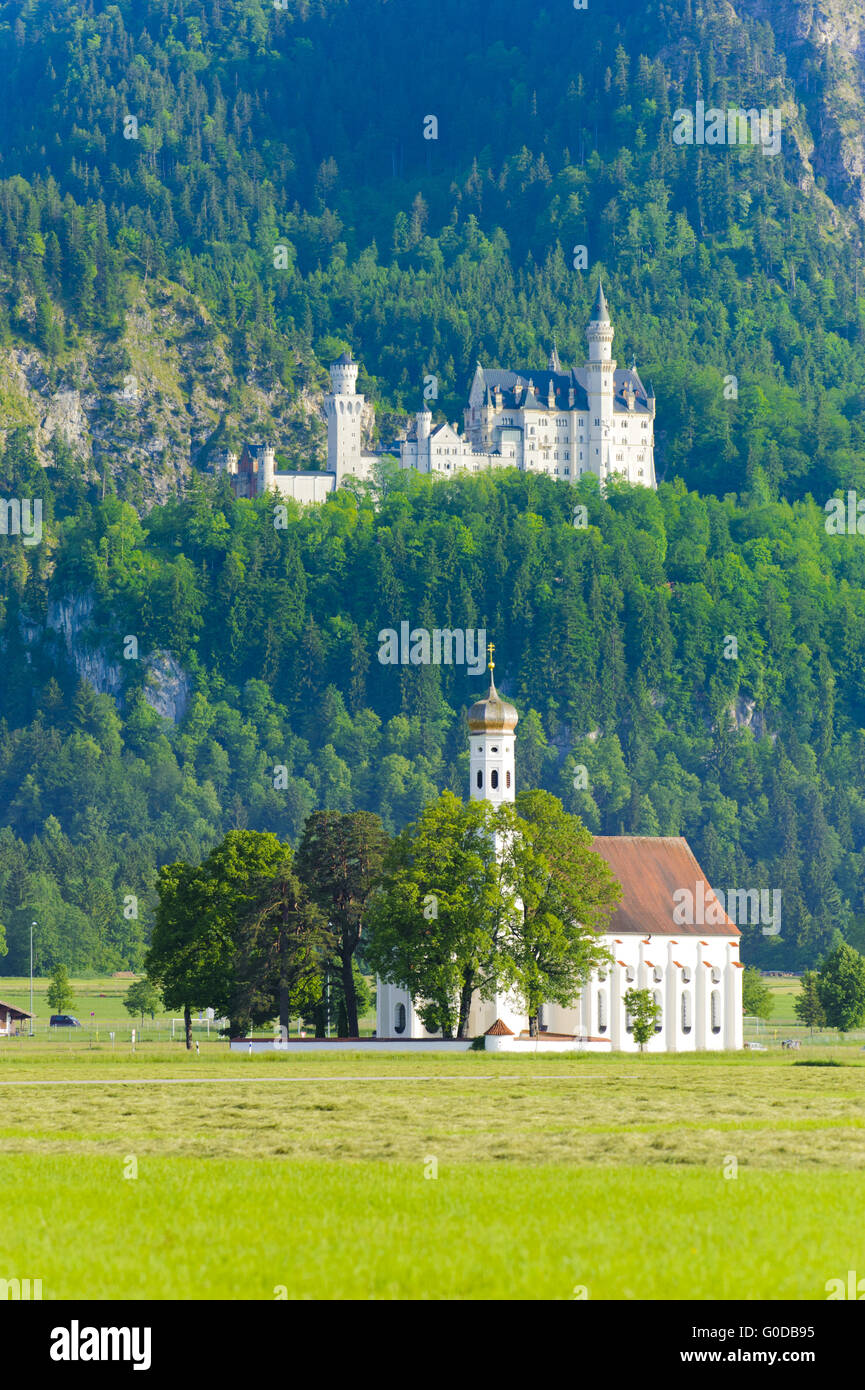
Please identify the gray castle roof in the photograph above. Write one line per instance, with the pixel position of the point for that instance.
(563, 383)
(600, 313)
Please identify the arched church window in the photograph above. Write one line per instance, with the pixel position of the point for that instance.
(659, 1021)
(686, 1011)
(494, 779)
(399, 1019)
(716, 1011)
(480, 778)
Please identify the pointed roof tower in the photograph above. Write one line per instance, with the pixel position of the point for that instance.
(492, 714)
(600, 313)
(554, 365)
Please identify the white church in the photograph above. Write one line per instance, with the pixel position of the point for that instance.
(597, 418)
(693, 971)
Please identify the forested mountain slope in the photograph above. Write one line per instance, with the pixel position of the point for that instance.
(152, 257)
(144, 323)
(612, 639)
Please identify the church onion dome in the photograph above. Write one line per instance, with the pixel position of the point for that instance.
(492, 715)
(600, 313)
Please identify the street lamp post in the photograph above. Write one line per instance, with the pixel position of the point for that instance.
(32, 925)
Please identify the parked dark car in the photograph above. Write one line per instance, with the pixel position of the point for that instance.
(63, 1021)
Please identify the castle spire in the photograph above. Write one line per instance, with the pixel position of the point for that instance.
(600, 313)
(554, 365)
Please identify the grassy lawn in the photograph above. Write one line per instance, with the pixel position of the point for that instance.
(228, 1228)
(98, 1006)
(310, 1173)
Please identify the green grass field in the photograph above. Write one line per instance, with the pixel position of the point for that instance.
(313, 1175)
(98, 1006)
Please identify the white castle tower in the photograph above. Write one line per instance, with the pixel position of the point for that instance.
(343, 408)
(267, 469)
(491, 745)
(600, 386)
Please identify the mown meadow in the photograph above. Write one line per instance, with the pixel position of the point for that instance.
(259, 1177)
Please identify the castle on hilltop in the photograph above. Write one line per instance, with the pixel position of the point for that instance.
(593, 419)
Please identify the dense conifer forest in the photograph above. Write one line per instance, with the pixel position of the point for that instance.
(257, 127)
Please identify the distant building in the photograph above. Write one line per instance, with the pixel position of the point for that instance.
(253, 471)
(692, 971)
(10, 1019)
(598, 418)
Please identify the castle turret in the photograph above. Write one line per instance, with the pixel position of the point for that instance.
(343, 408)
(343, 375)
(600, 374)
(267, 470)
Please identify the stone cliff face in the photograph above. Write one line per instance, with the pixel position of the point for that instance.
(148, 409)
(823, 42)
(82, 643)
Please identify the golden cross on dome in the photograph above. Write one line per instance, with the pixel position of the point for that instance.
(491, 648)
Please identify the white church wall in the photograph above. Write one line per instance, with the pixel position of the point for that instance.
(685, 987)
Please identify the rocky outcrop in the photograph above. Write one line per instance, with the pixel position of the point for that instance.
(71, 619)
(823, 42)
(745, 715)
(168, 687)
(150, 407)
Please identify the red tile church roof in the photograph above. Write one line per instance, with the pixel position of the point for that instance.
(651, 868)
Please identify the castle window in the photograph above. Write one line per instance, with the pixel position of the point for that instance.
(686, 974)
(480, 779)
(494, 750)
(658, 974)
(716, 1011)
(399, 1019)
(567, 472)
(494, 779)
(508, 778)
(716, 975)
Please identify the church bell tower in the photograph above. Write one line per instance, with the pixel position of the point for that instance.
(492, 722)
